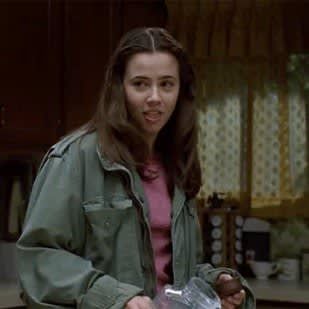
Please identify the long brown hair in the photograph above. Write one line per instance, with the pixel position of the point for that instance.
(176, 143)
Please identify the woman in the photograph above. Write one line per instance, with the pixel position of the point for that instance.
(111, 217)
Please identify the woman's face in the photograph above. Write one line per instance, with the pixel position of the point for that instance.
(151, 84)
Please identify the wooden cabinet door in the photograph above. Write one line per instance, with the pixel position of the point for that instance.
(89, 33)
(29, 79)
(53, 55)
(92, 31)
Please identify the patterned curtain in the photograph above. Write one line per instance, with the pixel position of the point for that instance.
(253, 96)
(280, 132)
(222, 97)
(272, 122)
(298, 101)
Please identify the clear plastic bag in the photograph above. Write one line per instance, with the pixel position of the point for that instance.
(197, 294)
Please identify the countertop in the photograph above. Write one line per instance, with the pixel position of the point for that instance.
(284, 291)
(9, 295)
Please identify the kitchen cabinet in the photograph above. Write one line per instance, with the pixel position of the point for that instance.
(53, 58)
(29, 97)
(89, 36)
(92, 30)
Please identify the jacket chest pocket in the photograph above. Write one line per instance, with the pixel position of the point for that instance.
(111, 226)
(113, 238)
(109, 218)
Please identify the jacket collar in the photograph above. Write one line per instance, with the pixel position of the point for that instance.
(137, 187)
(134, 179)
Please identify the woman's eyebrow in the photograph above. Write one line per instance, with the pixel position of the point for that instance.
(168, 77)
(147, 78)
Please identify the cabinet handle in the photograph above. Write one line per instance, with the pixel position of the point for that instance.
(2, 120)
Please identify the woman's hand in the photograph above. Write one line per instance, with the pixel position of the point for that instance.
(233, 301)
(140, 302)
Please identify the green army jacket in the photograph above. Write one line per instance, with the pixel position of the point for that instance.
(86, 238)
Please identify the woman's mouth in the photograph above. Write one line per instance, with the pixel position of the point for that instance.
(152, 116)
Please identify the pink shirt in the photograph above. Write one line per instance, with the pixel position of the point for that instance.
(159, 202)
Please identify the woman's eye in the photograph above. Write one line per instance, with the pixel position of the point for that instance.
(167, 84)
(139, 84)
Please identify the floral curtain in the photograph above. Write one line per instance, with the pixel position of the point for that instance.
(253, 137)
(280, 134)
(222, 98)
(298, 101)
(252, 92)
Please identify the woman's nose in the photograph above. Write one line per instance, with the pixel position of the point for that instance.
(154, 95)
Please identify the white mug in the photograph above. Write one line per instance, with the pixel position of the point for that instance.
(263, 269)
(288, 269)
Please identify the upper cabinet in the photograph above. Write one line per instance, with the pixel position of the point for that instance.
(89, 34)
(92, 30)
(53, 58)
(29, 104)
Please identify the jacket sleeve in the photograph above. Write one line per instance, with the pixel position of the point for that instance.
(52, 271)
(210, 274)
